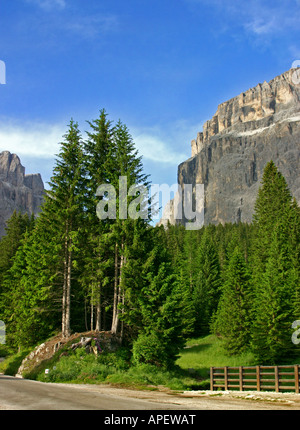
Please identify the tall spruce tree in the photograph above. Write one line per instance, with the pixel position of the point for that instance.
(43, 271)
(232, 320)
(275, 268)
(127, 172)
(110, 155)
(276, 303)
(66, 194)
(270, 208)
(95, 279)
(206, 292)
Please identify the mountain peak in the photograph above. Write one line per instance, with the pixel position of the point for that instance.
(255, 108)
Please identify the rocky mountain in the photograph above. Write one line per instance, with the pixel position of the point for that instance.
(231, 152)
(18, 191)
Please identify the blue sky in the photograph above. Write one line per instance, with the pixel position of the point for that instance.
(161, 66)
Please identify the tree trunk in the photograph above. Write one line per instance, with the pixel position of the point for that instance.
(123, 302)
(68, 293)
(114, 324)
(98, 311)
(64, 293)
(118, 296)
(92, 314)
(66, 299)
(85, 315)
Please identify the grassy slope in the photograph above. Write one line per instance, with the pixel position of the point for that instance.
(200, 354)
(192, 367)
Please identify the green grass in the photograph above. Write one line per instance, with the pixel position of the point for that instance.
(202, 353)
(191, 370)
(109, 368)
(12, 362)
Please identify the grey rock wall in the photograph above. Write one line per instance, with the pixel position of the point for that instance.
(18, 191)
(231, 152)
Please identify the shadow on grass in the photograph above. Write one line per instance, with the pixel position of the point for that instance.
(196, 348)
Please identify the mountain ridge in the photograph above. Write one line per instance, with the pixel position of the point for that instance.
(18, 191)
(229, 155)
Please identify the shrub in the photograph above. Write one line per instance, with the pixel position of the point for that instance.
(150, 349)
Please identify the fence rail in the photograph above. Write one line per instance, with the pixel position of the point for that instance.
(260, 378)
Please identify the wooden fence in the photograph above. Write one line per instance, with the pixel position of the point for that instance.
(260, 378)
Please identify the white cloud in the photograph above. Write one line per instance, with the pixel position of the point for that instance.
(34, 140)
(168, 144)
(153, 148)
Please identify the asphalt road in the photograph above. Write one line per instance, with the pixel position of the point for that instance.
(22, 394)
(17, 393)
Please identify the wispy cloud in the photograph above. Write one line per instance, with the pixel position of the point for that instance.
(92, 26)
(261, 26)
(48, 4)
(257, 17)
(69, 22)
(272, 19)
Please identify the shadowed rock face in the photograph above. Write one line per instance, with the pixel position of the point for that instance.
(248, 131)
(18, 191)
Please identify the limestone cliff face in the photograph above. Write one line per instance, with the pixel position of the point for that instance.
(18, 191)
(231, 152)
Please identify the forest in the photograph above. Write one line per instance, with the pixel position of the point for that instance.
(67, 271)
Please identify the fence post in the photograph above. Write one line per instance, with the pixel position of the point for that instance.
(258, 378)
(296, 372)
(226, 377)
(241, 377)
(276, 379)
(212, 379)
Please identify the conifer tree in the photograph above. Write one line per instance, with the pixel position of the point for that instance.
(128, 169)
(276, 299)
(98, 149)
(31, 298)
(110, 155)
(270, 208)
(15, 230)
(163, 310)
(206, 292)
(66, 194)
(44, 267)
(275, 268)
(232, 320)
